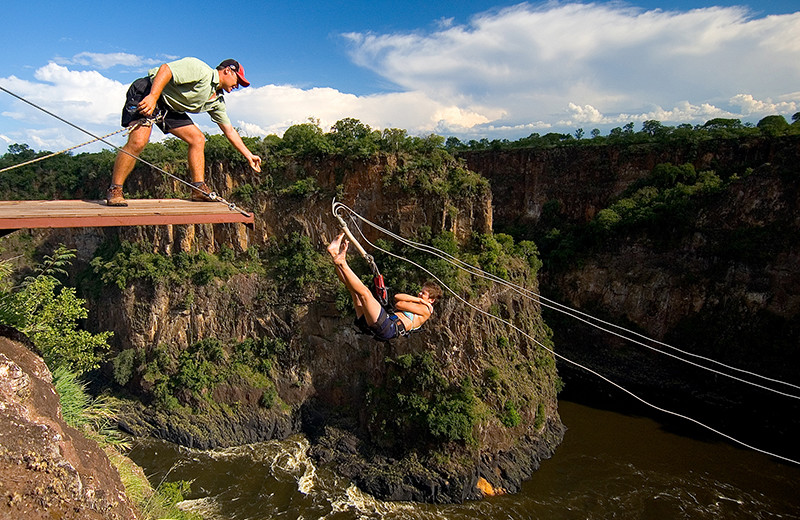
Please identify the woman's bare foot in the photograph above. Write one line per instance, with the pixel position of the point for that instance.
(338, 250)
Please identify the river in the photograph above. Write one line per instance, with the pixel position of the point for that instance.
(610, 465)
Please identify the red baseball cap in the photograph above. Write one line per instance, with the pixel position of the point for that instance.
(237, 68)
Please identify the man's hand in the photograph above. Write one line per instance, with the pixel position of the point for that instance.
(255, 162)
(148, 105)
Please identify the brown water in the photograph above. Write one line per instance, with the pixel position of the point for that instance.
(610, 465)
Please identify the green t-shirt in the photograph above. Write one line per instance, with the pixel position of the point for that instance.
(193, 89)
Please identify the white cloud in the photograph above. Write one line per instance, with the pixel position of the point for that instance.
(507, 73)
(84, 98)
(682, 112)
(751, 106)
(108, 60)
(273, 108)
(596, 63)
(78, 96)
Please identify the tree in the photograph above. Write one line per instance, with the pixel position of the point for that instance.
(720, 123)
(306, 140)
(654, 128)
(393, 139)
(352, 138)
(48, 313)
(773, 125)
(453, 143)
(579, 133)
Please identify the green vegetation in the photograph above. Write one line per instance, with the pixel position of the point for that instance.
(62, 176)
(418, 403)
(652, 131)
(497, 254)
(120, 263)
(426, 163)
(93, 416)
(296, 264)
(667, 197)
(49, 314)
(510, 416)
(175, 377)
(663, 203)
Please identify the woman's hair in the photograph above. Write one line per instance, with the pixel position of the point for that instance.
(434, 291)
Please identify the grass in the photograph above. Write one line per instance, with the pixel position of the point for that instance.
(93, 416)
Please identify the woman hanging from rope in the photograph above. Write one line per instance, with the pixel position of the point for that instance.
(412, 311)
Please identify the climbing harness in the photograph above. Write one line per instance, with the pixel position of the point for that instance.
(149, 121)
(570, 312)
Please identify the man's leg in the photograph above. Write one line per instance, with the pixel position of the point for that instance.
(124, 163)
(197, 145)
(362, 296)
(197, 159)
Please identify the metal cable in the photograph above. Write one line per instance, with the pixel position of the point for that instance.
(338, 207)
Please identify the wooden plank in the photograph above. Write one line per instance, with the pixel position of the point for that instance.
(23, 214)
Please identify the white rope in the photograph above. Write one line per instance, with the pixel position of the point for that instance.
(53, 154)
(558, 307)
(537, 342)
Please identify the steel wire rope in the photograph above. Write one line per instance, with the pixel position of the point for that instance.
(575, 363)
(212, 195)
(558, 307)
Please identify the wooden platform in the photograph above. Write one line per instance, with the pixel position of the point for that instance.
(24, 214)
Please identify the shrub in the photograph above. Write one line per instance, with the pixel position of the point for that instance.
(510, 417)
(49, 314)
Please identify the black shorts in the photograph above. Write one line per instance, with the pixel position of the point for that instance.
(386, 328)
(130, 112)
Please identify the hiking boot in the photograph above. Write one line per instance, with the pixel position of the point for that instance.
(114, 196)
(199, 194)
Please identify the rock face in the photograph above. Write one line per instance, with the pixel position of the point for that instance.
(47, 469)
(324, 374)
(695, 290)
(725, 286)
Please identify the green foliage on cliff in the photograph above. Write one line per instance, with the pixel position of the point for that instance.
(497, 254)
(120, 263)
(667, 196)
(62, 176)
(297, 264)
(50, 314)
(423, 164)
(660, 204)
(175, 377)
(418, 403)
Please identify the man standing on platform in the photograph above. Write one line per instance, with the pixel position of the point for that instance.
(168, 93)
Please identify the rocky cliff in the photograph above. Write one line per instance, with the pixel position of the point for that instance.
(48, 469)
(720, 281)
(265, 351)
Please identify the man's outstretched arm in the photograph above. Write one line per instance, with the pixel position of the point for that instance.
(233, 136)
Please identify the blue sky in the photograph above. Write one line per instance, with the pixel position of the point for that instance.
(471, 68)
